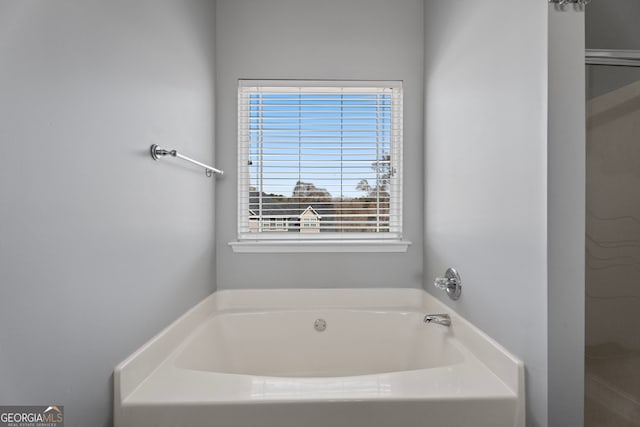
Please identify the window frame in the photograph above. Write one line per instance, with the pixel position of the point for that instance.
(272, 241)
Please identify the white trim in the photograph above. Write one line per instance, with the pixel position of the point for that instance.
(292, 85)
(310, 246)
(393, 88)
(339, 237)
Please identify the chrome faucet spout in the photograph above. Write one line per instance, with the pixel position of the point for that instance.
(440, 319)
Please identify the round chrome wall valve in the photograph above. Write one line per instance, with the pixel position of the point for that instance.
(320, 325)
(451, 283)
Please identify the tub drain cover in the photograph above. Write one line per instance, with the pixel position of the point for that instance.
(320, 325)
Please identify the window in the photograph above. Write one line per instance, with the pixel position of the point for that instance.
(319, 161)
(309, 222)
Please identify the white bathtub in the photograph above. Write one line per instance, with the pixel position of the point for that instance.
(254, 358)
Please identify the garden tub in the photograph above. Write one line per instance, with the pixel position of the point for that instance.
(319, 357)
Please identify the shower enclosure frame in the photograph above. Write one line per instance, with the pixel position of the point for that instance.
(627, 58)
(615, 58)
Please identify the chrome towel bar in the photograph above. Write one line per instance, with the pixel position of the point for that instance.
(157, 152)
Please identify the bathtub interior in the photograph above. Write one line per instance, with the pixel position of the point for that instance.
(253, 357)
(286, 344)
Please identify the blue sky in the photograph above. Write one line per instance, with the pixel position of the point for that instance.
(330, 140)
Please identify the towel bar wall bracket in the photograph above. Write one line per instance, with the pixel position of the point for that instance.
(157, 153)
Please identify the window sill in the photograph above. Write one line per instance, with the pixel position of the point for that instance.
(340, 246)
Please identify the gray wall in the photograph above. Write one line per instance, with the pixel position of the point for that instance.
(309, 39)
(100, 247)
(486, 172)
(566, 153)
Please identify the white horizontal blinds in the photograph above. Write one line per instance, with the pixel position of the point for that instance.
(320, 159)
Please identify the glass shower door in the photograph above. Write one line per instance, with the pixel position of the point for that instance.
(612, 365)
